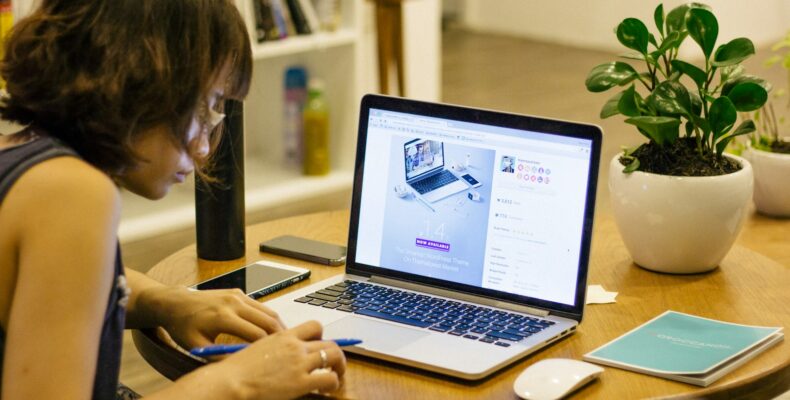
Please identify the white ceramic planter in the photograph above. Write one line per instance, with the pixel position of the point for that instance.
(679, 225)
(771, 184)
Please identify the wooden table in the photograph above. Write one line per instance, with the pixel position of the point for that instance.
(747, 288)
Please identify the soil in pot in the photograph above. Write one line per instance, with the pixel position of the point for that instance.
(779, 146)
(680, 159)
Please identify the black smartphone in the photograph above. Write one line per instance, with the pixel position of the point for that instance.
(305, 249)
(257, 279)
(472, 181)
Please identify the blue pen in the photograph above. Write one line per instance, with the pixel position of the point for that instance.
(232, 348)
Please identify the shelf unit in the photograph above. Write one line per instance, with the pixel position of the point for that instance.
(339, 59)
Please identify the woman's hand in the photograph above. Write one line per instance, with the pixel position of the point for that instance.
(196, 318)
(287, 364)
(284, 365)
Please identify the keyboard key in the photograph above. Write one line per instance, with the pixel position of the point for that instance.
(513, 332)
(473, 337)
(503, 344)
(316, 302)
(500, 335)
(303, 300)
(439, 328)
(393, 318)
(331, 305)
(322, 297)
(457, 333)
(488, 339)
(347, 308)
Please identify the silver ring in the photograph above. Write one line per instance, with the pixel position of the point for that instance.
(324, 360)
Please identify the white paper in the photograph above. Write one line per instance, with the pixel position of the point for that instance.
(596, 294)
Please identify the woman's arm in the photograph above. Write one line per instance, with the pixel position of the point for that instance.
(195, 318)
(63, 215)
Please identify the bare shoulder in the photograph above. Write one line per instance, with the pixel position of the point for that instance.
(63, 188)
(67, 176)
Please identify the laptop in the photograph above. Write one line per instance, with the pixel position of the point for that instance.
(462, 287)
(425, 171)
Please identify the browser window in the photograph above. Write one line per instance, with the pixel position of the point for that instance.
(517, 230)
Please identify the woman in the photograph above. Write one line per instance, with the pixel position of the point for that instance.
(122, 94)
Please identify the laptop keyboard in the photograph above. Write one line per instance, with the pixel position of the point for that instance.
(472, 322)
(432, 182)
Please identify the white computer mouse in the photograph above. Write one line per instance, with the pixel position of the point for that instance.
(554, 378)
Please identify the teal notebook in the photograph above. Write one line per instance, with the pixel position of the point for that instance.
(686, 348)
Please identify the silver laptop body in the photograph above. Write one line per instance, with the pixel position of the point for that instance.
(472, 283)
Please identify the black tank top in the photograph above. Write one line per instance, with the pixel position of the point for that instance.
(14, 161)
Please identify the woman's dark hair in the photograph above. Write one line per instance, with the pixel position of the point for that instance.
(94, 73)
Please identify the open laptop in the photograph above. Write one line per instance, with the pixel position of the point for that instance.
(425, 171)
(466, 286)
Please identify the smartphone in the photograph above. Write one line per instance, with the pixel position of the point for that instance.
(257, 279)
(305, 249)
(472, 181)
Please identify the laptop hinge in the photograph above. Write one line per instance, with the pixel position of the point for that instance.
(459, 296)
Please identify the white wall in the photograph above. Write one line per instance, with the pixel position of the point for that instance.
(591, 23)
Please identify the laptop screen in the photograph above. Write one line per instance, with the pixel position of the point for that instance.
(520, 229)
(421, 156)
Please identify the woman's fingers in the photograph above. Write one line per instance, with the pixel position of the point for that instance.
(244, 329)
(264, 321)
(310, 330)
(271, 314)
(335, 358)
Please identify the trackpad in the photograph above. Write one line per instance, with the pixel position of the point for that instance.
(375, 336)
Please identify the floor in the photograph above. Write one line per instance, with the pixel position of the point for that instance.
(502, 73)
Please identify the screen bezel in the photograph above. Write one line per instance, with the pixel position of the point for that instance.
(493, 118)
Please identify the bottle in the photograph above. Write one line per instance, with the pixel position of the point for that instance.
(219, 207)
(6, 22)
(316, 131)
(293, 107)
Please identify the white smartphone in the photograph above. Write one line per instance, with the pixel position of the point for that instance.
(471, 181)
(257, 279)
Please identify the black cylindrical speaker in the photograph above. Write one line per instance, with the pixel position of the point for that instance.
(219, 207)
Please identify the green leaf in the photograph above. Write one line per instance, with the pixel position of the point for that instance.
(733, 52)
(659, 129)
(689, 129)
(658, 17)
(632, 33)
(609, 75)
(631, 167)
(676, 19)
(671, 97)
(731, 72)
(722, 117)
(703, 28)
(696, 103)
(652, 39)
(744, 128)
(629, 103)
(731, 83)
(748, 96)
(672, 41)
(696, 74)
(610, 108)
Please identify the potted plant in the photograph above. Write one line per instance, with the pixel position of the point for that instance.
(769, 153)
(678, 201)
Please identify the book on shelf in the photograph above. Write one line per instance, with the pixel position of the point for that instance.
(265, 28)
(278, 16)
(281, 11)
(298, 17)
(686, 348)
(310, 15)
